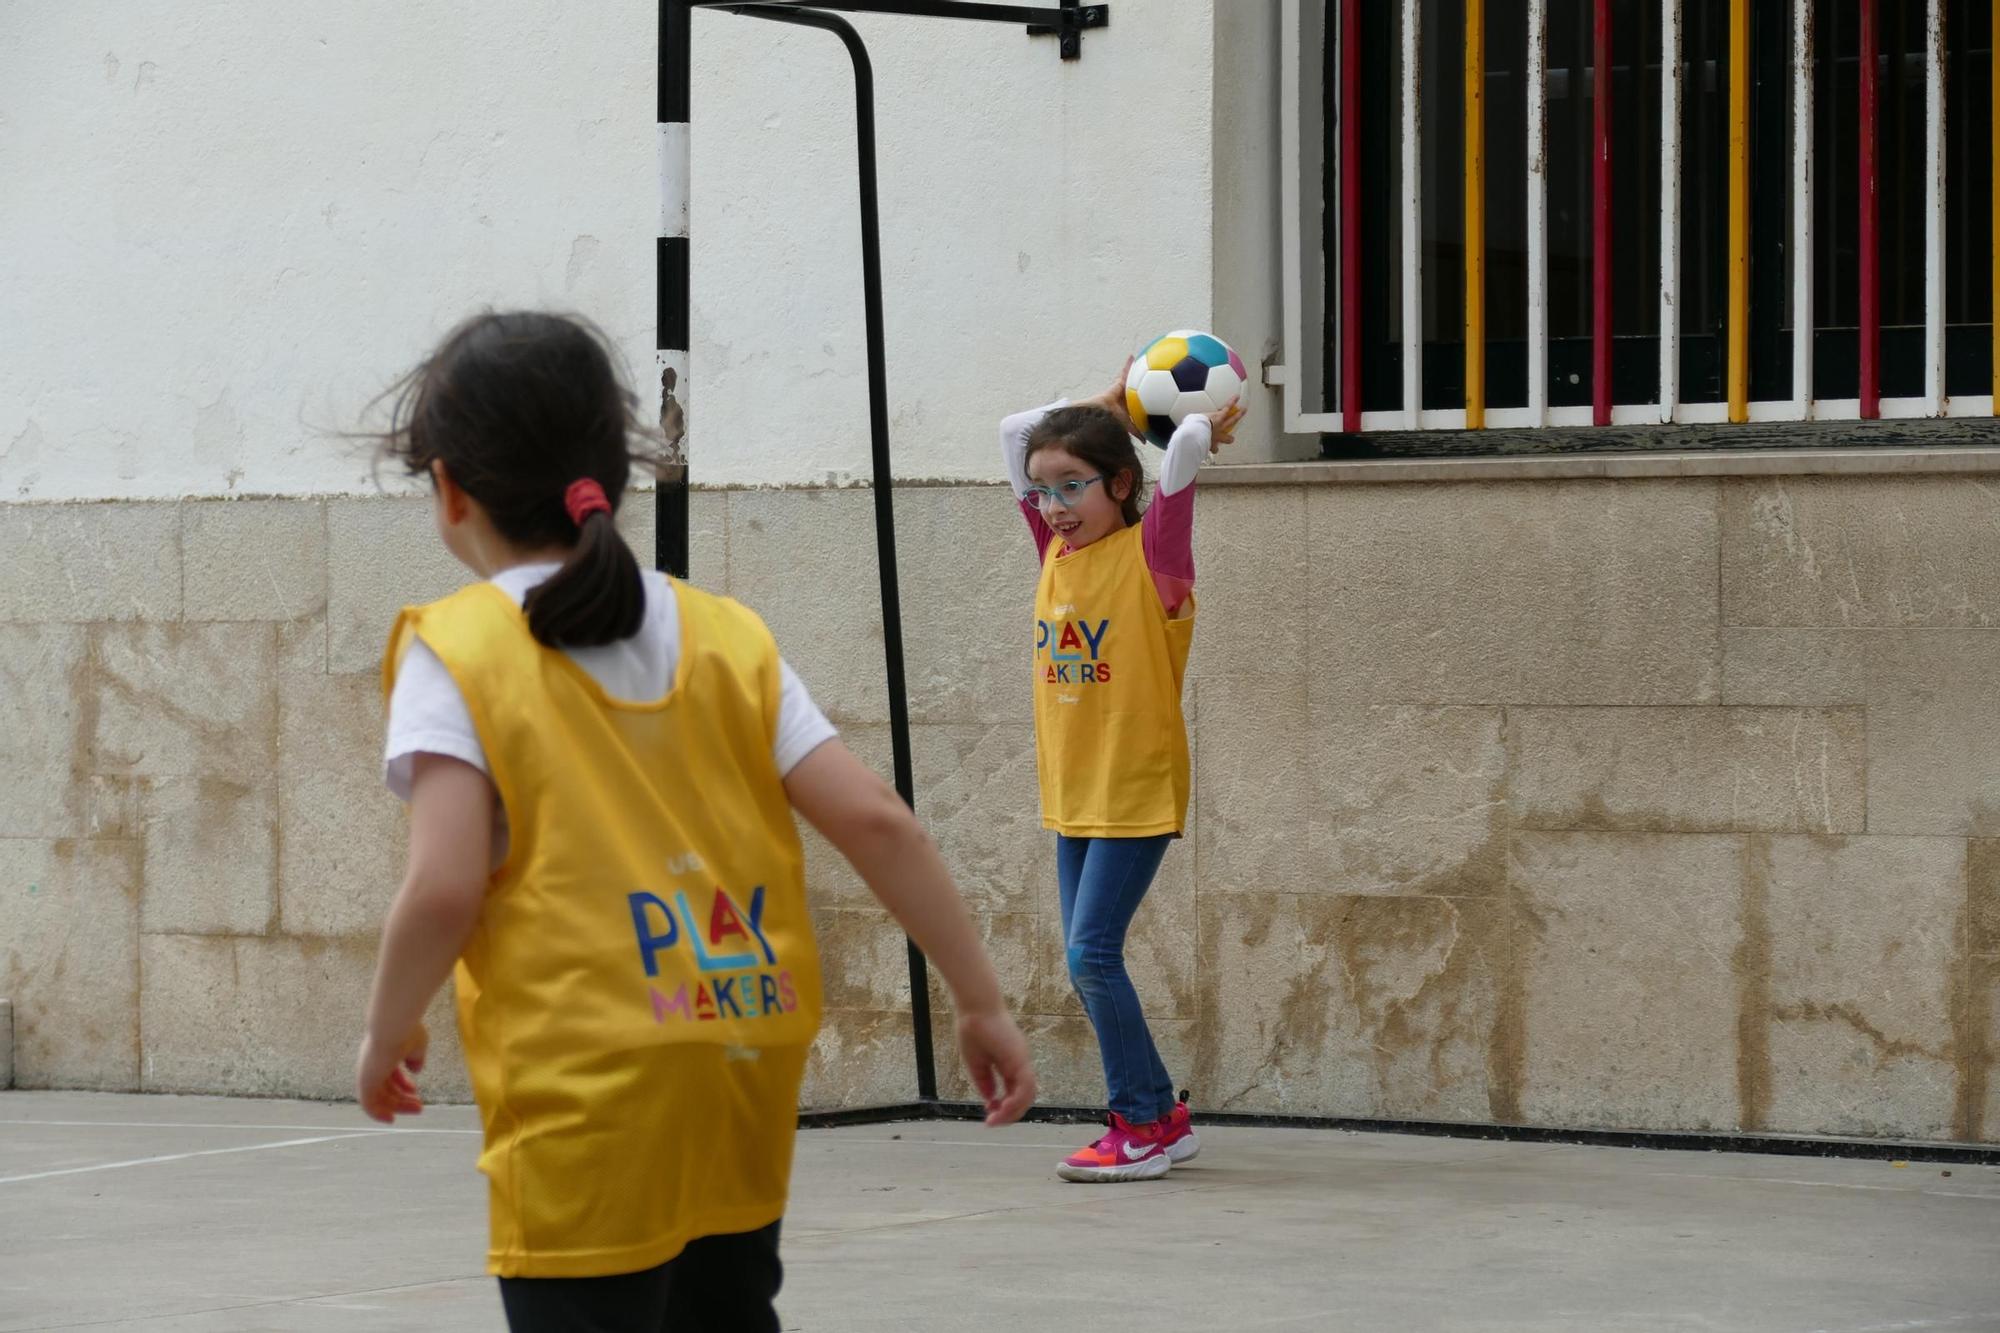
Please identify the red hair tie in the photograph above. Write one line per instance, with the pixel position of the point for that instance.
(584, 498)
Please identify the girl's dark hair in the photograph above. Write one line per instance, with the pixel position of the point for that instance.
(517, 406)
(1097, 438)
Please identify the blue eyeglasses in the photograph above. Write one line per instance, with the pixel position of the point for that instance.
(1064, 493)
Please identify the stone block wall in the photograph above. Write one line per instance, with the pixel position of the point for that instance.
(1648, 804)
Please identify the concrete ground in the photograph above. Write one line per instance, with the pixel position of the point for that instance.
(228, 1216)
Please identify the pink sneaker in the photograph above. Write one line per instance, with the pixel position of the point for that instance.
(1127, 1152)
(1177, 1133)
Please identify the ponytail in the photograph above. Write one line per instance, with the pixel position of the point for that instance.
(519, 406)
(598, 596)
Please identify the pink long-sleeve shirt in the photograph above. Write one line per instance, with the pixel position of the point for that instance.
(1167, 528)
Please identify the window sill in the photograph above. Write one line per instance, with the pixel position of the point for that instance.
(1557, 467)
(1909, 448)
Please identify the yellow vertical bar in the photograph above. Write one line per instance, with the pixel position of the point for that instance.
(1739, 210)
(1475, 214)
(1994, 216)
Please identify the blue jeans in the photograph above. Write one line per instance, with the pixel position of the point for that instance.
(1103, 881)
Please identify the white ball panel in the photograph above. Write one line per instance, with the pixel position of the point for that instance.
(1223, 384)
(1157, 391)
(1198, 403)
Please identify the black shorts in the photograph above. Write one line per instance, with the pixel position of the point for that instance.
(718, 1284)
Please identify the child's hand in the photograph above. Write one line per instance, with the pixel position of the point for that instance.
(382, 1076)
(996, 1055)
(1222, 424)
(1112, 400)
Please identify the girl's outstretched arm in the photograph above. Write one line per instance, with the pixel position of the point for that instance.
(1014, 433)
(451, 842)
(1167, 531)
(867, 822)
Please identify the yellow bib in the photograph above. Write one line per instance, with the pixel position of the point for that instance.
(638, 998)
(1110, 741)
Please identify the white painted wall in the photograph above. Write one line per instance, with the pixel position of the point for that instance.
(226, 225)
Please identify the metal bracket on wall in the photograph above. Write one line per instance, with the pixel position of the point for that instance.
(1070, 32)
(1066, 21)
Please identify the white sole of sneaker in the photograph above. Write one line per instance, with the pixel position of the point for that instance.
(1150, 1168)
(1186, 1150)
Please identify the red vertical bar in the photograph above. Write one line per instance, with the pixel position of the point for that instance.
(1600, 235)
(1350, 215)
(1871, 259)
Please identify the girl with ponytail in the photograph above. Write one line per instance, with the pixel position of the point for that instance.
(602, 766)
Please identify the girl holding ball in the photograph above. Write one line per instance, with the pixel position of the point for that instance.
(1114, 617)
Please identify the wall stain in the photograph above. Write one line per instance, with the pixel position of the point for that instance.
(1482, 873)
(1507, 1041)
(1413, 975)
(1297, 1035)
(1593, 815)
(1206, 1074)
(54, 1046)
(1302, 1021)
(1507, 1044)
(1294, 1038)
(1972, 1046)
(158, 706)
(1976, 970)
(1982, 895)
(1411, 968)
(1886, 1046)
(1752, 963)
(214, 830)
(84, 709)
(134, 884)
(274, 749)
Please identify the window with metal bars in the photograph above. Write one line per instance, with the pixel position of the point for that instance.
(1624, 212)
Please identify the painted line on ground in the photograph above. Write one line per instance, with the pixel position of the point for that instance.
(179, 1157)
(1831, 1185)
(178, 1124)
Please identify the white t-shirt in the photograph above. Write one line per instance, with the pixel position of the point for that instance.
(427, 714)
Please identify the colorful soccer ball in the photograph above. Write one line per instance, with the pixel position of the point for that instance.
(1179, 375)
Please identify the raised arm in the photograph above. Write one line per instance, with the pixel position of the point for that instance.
(1167, 531)
(1014, 432)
